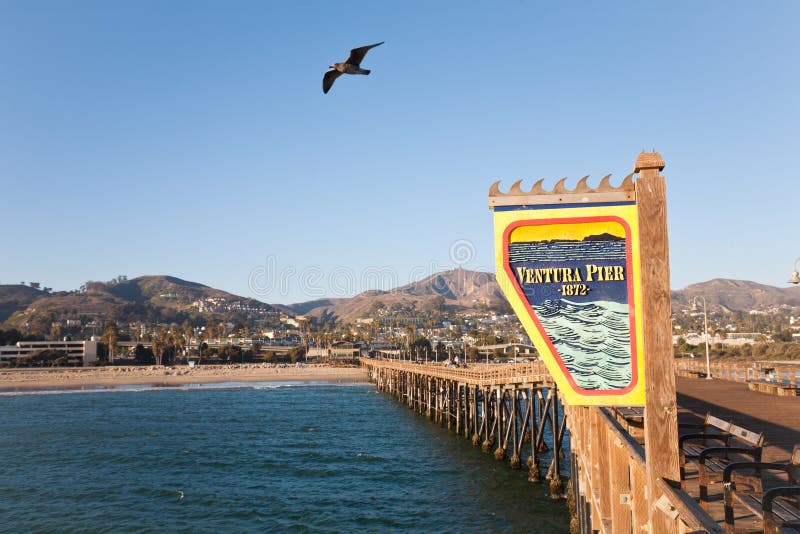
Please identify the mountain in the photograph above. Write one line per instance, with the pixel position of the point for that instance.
(456, 290)
(736, 295)
(313, 307)
(146, 298)
(169, 299)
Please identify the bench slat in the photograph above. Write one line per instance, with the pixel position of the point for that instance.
(780, 508)
(784, 510)
(715, 465)
(751, 502)
(693, 450)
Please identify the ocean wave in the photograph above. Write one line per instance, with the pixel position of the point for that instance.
(592, 339)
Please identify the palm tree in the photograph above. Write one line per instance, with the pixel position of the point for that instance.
(188, 332)
(160, 344)
(158, 349)
(55, 331)
(110, 337)
(177, 339)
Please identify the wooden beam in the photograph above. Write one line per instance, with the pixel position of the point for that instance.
(660, 422)
(695, 518)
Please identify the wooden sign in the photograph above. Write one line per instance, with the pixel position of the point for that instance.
(569, 263)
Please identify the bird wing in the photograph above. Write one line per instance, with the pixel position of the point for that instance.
(328, 79)
(357, 54)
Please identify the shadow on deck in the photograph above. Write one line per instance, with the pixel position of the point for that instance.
(778, 417)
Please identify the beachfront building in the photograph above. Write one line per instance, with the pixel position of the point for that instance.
(76, 352)
(341, 350)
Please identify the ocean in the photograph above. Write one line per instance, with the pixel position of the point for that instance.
(261, 458)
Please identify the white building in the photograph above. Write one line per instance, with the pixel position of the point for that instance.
(84, 352)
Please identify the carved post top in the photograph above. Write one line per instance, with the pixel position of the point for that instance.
(648, 160)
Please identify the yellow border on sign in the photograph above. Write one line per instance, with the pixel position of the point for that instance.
(626, 212)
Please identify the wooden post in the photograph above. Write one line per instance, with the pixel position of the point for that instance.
(515, 460)
(499, 452)
(486, 432)
(457, 390)
(556, 486)
(533, 461)
(661, 412)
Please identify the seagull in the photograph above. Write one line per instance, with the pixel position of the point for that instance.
(351, 66)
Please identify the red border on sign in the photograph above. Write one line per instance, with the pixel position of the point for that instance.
(631, 299)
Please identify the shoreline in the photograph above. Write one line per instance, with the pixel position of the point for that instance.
(42, 379)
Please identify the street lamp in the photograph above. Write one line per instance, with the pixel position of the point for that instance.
(705, 327)
(795, 278)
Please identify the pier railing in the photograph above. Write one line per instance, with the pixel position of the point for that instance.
(476, 374)
(783, 373)
(608, 478)
(494, 404)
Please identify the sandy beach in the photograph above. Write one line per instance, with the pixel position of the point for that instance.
(55, 378)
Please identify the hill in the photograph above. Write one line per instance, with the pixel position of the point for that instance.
(455, 290)
(16, 297)
(146, 298)
(736, 295)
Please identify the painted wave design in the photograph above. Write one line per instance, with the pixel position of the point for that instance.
(592, 339)
(566, 251)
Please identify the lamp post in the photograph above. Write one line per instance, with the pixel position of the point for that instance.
(795, 278)
(705, 327)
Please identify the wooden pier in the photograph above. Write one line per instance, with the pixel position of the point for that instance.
(511, 411)
(514, 412)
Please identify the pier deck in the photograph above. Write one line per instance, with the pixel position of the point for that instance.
(484, 399)
(778, 417)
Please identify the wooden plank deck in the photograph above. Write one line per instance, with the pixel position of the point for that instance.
(778, 417)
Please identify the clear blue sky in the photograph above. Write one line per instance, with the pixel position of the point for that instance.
(193, 138)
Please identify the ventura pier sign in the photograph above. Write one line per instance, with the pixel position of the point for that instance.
(569, 263)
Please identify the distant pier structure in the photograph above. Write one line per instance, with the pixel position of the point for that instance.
(511, 411)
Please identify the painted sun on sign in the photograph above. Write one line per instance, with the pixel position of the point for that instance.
(570, 272)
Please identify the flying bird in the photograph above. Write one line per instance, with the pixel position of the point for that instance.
(351, 66)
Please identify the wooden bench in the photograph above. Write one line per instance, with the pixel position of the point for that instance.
(712, 431)
(691, 373)
(778, 507)
(632, 420)
(773, 388)
(741, 444)
(631, 412)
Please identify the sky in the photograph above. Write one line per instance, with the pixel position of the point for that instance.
(193, 139)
